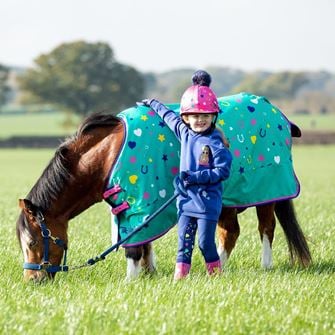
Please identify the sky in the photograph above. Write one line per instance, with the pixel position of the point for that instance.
(158, 36)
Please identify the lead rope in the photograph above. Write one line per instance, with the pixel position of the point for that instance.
(103, 255)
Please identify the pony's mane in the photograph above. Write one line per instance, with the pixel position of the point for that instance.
(97, 120)
(57, 173)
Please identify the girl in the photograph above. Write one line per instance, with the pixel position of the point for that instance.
(205, 163)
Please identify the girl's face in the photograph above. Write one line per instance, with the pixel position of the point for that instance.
(199, 122)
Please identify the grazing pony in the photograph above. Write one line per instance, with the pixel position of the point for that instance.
(80, 173)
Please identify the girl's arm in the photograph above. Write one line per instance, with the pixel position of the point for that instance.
(173, 121)
(220, 171)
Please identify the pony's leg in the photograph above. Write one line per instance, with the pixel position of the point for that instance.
(228, 232)
(133, 255)
(148, 259)
(266, 228)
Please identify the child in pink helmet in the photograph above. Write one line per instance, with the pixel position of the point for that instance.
(205, 162)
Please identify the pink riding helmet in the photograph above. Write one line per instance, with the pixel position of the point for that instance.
(199, 99)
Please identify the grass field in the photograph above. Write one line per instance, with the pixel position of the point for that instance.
(244, 300)
(36, 124)
(52, 124)
(314, 122)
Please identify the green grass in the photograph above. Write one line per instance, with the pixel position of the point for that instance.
(244, 300)
(36, 124)
(52, 123)
(314, 122)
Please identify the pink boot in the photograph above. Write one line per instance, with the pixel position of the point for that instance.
(181, 270)
(214, 268)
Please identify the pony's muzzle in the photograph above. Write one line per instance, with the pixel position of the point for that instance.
(37, 277)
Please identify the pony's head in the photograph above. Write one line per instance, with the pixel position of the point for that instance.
(42, 225)
(71, 183)
(43, 242)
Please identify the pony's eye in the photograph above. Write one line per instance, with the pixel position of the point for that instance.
(32, 243)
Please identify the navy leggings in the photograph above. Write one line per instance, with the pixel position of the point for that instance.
(187, 228)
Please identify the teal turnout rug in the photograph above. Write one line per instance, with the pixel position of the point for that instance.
(262, 171)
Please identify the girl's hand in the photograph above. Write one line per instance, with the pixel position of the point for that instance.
(179, 186)
(186, 178)
(144, 102)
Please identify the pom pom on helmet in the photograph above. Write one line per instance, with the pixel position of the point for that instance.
(201, 78)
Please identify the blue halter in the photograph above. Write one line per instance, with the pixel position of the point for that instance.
(46, 265)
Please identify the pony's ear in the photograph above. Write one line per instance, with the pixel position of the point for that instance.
(27, 206)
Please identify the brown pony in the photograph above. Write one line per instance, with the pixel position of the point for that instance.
(75, 179)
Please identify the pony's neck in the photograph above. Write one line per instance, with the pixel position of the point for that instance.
(92, 157)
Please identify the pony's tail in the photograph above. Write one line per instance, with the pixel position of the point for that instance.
(295, 238)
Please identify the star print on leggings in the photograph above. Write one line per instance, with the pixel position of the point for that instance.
(189, 240)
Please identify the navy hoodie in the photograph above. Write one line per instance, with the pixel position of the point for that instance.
(207, 162)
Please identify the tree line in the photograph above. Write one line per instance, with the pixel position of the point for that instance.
(82, 77)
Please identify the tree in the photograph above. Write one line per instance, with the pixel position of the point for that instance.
(273, 86)
(4, 88)
(284, 84)
(83, 77)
